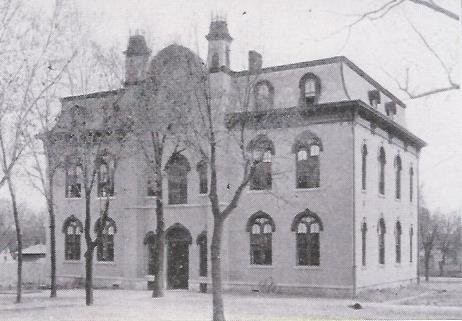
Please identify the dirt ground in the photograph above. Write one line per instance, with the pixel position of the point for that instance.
(435, 300)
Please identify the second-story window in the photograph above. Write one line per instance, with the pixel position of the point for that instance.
(364, 167)
(105, 176)
(411, 184)
(262, 150)
(307, 149)
(398, 177)
(382, 162)
(74, 181)
(177, 171)
(203, 177)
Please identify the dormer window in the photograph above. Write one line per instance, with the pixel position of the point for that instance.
(390, 108)
(310, 88)
(374, 98)
(264, 95)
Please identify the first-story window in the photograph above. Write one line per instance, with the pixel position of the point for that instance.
(411, 247)
(202, 242)
(398, 242)
(105, 248)
(202, 170)
(261, 227)
(72, 229)
(363, 243)
(307, 227)
(381, 231)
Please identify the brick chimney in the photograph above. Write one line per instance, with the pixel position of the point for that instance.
(255, 61)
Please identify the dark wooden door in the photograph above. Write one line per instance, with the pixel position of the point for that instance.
(178, 264)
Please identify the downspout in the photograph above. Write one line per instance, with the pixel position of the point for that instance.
(417, 226)
(354, 203)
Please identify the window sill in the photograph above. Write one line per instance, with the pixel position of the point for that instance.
(99, 198)
(307, 267)
(260, 266)
(397, 265)
(307, 189)
(203, 195)
(74, 198)
(381, 266)
(151, 197)
(105, 262)
(363, 267)
(258, 191)
(72, 261)
(363, 191)
(381, 195)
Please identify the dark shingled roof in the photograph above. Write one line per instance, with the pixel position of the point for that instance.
(137, 46)
(218, 31)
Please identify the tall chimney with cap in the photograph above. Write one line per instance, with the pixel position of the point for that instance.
(136, 59)
(255, 61)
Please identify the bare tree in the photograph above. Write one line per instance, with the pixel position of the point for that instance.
(409, 83)
(429, 235)
(449, 238)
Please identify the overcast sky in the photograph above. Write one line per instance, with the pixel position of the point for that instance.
(293, 31)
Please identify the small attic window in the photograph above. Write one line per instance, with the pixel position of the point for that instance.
(390, 108)
(374, 98)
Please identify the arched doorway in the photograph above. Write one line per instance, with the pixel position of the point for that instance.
(178, 241)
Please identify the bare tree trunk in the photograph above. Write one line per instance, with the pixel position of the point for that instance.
(18, 238)
(51, 218)
(217, 287)
(88, 253)
(158, 288)
(427, 265)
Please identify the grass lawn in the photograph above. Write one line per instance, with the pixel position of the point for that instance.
(428, 302)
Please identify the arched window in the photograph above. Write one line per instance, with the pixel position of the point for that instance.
(261, 227)
(105, 248)
(411, 184)
(382, 162)
(363, 242)
(307, 149)
(203, 177)
(202, 243)
(364, 167)
(264, 95)
(398, 169)
(398, 242)
(411, 247)
(106, 175)
(150, 242)
(177, 171)
(307, 226)
(310, 89)
(381, 230)
(74, 180)
(72, 229)
(262, 149)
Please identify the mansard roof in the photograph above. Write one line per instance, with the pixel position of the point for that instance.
(318, 62)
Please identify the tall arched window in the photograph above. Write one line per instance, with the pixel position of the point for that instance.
(398, 169)
(261, 227)
(382, 162)
(105, 248)
(203, 177)
(177, 171)
(381, 230)
(105, 175)
(411, 247)
(74, 180)
(72, 229)
(202, 243)
(363, 242)
(398, 242)
(307, 149)
(264, 95)
(364, 167)
(310, 89)
(411, 184)
(262, 149)
(307, 226)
